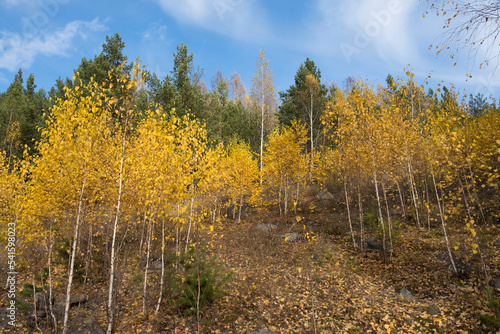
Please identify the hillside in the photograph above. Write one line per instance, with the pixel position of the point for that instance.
(315, 284)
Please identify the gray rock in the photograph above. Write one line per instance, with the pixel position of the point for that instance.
(58, 311)
(291, 237)
(30, 321)
(324, 195)
(42, 300)
(152, 259)
(266, 227)
(496, 283)
(85, 326)
(431, 309)
(373, 244)
(263, 331)
(41, 314)
(497, 243)
(73, 300)
(405, 294)
(155, 265)
(443, 257)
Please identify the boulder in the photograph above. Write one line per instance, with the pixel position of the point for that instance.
(266, 227)
(405, 294)
(73, 300)
(495, 283)
(42, 300)
(431, 309)
(152, 259)
(444, 257)
(155, 265)
(58, 308)
(58, 311)
(497, 243)
(324, 195)
(291, 237)
(373, 244)
(30, 321)
(85, 326)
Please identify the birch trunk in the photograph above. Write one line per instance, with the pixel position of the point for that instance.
(239, 211)
(110, 306)
(412, 185)
(49, 265)
(146, 269)
(389, 220)
(279, 194)
(441, 215)
(349, 213)
(428, 205)
(73, 255)
(286, 195)
(162, 277)
(190, 223)
(262, 109)
(312, 138)
(361, 220)
(296, 202)
(381, 217)
(401, 199)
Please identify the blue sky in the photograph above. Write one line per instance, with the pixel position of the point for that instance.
(360, 38)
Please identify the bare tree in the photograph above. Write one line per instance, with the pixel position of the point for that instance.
(471, 24)
(263, 97)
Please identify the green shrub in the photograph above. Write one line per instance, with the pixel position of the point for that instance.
(372, 223)
(489, 320)
(371, 220)
(136, 278)
(22, 306)
(62, 248)
(28, 290)
(201, 278)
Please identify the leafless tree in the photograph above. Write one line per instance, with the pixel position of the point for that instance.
(474, 25)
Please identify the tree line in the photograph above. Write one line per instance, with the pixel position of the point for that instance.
(117, 161)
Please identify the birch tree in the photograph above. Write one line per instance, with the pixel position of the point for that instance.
(263, 96)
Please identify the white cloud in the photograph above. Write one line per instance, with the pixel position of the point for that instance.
(358, 29)
(3, 79)
(241, 19)
(17, 50)
(19, 2)
(155, 32)
(193, 11)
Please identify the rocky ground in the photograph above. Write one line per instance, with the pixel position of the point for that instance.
(304, 276)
